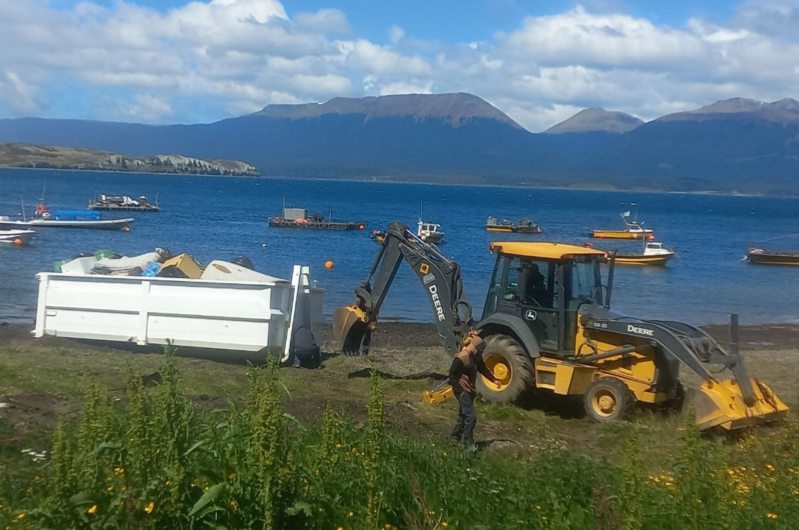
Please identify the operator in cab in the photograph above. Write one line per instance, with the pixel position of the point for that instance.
(463, 378)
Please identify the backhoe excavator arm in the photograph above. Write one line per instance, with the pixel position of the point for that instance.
(440, 276)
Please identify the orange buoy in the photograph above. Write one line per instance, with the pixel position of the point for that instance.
(329, 264)
(18, 241)
(361, 226)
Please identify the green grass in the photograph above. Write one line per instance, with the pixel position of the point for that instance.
(222, 446)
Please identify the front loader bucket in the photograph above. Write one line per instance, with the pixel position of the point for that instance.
(352, 330)
(721, 404)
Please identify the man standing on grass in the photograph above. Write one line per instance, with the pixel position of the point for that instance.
(463, 378)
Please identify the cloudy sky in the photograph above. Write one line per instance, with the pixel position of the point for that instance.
(540, 61)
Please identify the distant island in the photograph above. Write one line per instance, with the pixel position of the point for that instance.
(52, 157)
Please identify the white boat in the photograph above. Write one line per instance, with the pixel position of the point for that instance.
(44, 218)
(653, 254)
(16, 237)
(430, 232)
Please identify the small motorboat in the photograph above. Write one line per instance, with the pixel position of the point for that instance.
(430, 232)
(653, 254)
(16, 237)
(525, 226)
(632, 230)
(44, 218)
(378, 236)
(763, 256)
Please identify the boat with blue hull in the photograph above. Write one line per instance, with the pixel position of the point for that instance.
(44, 218)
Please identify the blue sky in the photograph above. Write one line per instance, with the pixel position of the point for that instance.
(173, 61)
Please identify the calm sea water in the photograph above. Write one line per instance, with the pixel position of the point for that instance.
(220, 218)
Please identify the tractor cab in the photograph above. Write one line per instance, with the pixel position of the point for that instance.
(544, 285)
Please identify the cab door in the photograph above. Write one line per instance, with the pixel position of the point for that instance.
(513, 291)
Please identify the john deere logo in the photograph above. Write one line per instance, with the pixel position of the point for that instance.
(424, 268)
(530, 315)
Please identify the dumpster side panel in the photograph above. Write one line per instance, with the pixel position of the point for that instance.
(246, 316)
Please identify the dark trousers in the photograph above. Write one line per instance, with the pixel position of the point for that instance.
(467, 419)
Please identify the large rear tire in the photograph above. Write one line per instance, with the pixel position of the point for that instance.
(511, 364)
(608, 399)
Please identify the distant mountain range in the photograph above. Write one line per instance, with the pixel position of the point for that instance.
(736, 145)
(51, 157)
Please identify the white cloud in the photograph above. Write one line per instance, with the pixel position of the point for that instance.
(609, 40)
(406, 88)
(19, 95)
(396, 34)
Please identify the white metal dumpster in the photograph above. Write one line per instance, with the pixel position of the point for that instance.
(228, 315)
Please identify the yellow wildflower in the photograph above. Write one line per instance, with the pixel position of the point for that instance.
(350, 514)
(119, 471)
(92, 510)
(771, 515)
(149, 507)
(444, 524)
(20, 517)
(233, 505)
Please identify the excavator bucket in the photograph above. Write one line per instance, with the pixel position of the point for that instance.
(722, 404)
(352, 329)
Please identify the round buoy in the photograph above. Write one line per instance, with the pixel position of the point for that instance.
(18, 241)
(361, 226)
(329, 264)
(126, 229)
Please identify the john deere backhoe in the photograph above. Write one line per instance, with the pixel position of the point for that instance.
(548, 326)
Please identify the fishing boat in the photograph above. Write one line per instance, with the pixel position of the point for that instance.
(525, 226)
(299, 218)
(123, 203)
(653, 254)
(632, 230)
(763, 256)
(16, 237)
(430, 232)
(44, 218)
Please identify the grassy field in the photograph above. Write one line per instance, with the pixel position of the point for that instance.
(221, 445)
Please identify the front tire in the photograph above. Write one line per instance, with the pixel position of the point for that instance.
(511, 364)
(608, 399)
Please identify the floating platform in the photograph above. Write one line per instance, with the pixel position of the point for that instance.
(123, 203)
(299, 218)
(305, 224)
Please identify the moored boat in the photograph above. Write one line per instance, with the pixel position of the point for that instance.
(430, 232)
(123, 203)
(763, 256)
(653, 254)
(44, 218)
(16, 237)
(526, 226)
(632, 230)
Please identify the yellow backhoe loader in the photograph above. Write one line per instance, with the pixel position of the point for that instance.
(548, 326)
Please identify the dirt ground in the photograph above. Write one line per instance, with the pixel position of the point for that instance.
(41, 381)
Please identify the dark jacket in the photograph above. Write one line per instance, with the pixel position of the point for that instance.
(463, 372)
